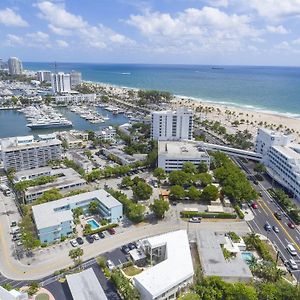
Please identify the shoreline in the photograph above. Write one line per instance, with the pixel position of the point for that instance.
(225, 104)
(226, 114)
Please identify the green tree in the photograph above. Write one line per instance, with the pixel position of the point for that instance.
(75, 255)
(204, 178)
(202, 167)
(93, 207)
(101, 260)
(7, 286)
(135, 212)
(159, 208)
(142, 191)
(126, 181)
(210, 193)
(189, 167)
(193, 193)
(179, 178)
(177, 192)
(33, 288)
(78, 211)
(160, 174)
(29, 240)
(259, 168)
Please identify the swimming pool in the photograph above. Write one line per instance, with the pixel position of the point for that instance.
(247, 256)
(94, 224)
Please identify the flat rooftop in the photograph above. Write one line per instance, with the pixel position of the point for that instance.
(176, 268)
(33, 171)
(66, 177)
(213, 261)
(47, 214)
(181, 149)
(288, 152)
(85, 286)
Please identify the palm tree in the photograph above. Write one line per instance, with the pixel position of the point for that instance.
(75, 254)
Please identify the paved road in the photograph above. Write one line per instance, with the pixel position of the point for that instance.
(265, 213)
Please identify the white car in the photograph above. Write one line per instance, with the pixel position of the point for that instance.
(96, 237)
(293, 264)
(195, 220)
(110, 265)
(74, 243)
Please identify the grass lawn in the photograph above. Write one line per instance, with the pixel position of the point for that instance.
(42, 297)
(132, 270)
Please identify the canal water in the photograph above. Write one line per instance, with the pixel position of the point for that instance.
(13, 123)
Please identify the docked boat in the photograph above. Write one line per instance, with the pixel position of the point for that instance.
(43, 124)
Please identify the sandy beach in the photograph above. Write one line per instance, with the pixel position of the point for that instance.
(248, 119)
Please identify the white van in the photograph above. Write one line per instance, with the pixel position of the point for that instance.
(15, 230)
(291, 249)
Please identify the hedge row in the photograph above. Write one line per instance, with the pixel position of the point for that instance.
(190, 214)
(102, 228)
(239, 212)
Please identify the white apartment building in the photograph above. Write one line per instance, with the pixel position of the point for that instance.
(12, 294)
(172, 267)
(24, 153)
(44, 76)
(75, 98)
(106, 134)
(75, 78)
(172, 125)
(61, 83)
(281, 157)
(15, 66)
(73, 138)
(172, 155)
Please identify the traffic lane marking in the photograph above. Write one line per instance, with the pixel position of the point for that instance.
(279, 223)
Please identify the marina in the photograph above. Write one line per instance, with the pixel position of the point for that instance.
(13, 122)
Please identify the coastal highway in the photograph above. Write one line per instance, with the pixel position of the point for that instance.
(267, 206)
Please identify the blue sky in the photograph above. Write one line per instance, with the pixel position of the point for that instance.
(246, 32)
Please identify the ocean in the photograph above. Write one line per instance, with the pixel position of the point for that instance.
(269, 89)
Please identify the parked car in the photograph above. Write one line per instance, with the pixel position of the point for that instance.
(101, 235)
(90, 239)
(277, 215)
(19, 243)
(255, 182)
(290, 248)
(267, 227)
(276, 229)
(125, 249)
(195, 220)
(254, 205)
(13, 224)
(132, 246)
(96, 237)
(79, 240)
(293, 264)
(111, 230)
(291, 225)
(110, 265)
(15, 238)
(74, 243)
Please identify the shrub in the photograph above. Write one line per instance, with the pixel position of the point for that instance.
(239, 212)
(235, 238)
(190, 214)
(101, 260)
(103, 228)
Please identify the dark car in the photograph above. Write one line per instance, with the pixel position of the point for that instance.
(79, 240)
(131, 246)
(101, 235)
(111, 230)
(291, 225)
(90, 239)
(267, 227)
(13, 224)
(277, 215)
(125, 249)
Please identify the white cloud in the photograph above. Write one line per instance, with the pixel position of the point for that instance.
(283, 46)
(206, 28)
(275, 9)
(8, 17)
(62, 44)
(296, 42)
(218, 3)
(277, 29)
(13, 40)
(64, 23)
(38, 37)
(59, 31)
(59, 17)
